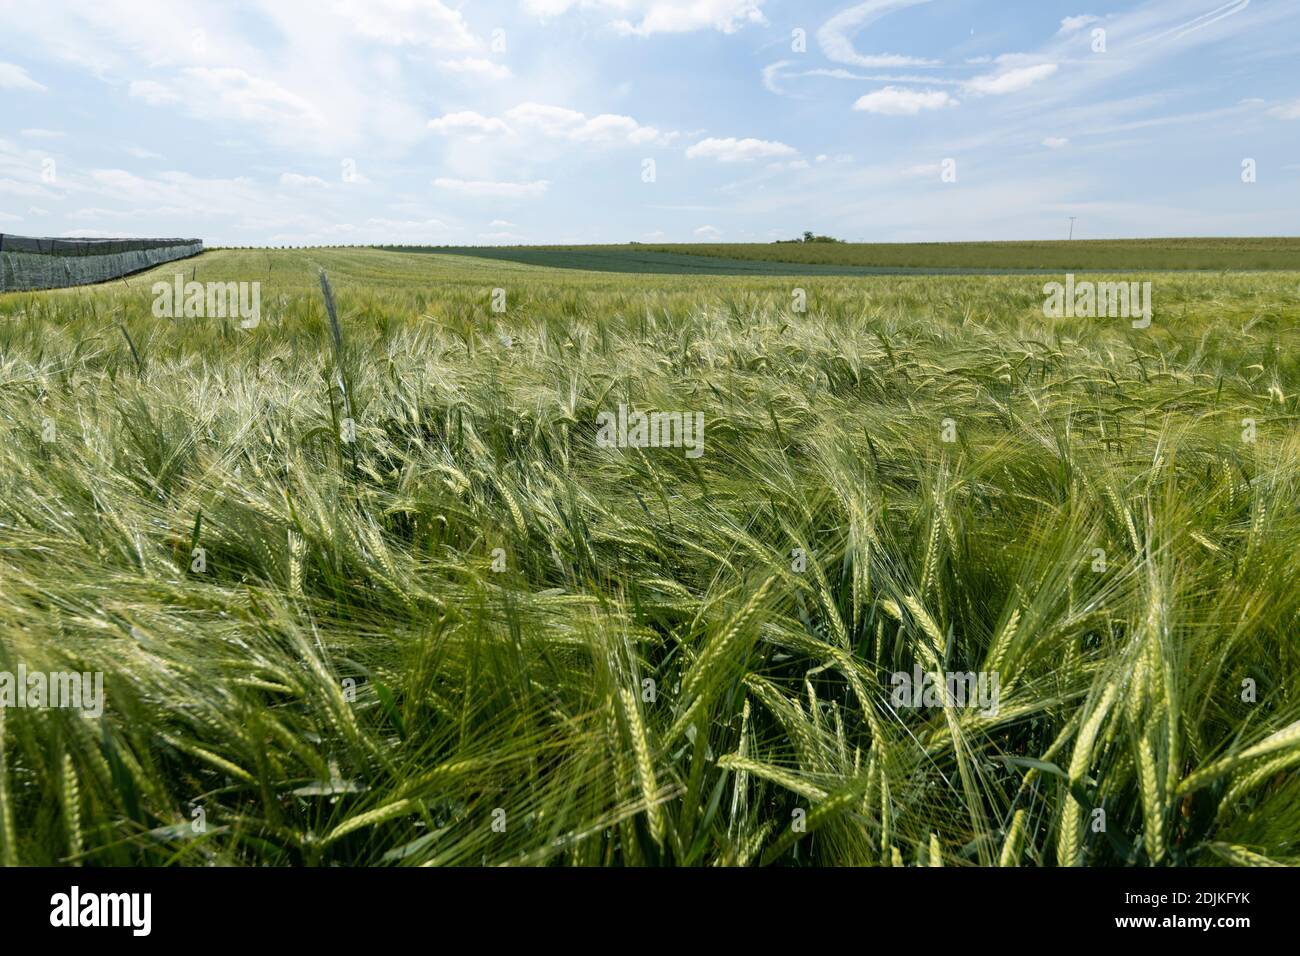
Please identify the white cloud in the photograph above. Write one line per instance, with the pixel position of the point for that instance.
(551, 122)
(709, 232)
(896, 101)
(375, 230)
(236, 94)
(924, 170)
(140, 153)
(297, 179)
(681, 16)
(97, 234)
(423, 23)
(1287, 111)
(503, 224)
(1010, 81)
(548, 8)
(152, 92)
(557, 122)
(836, 34)
(14, 77)
(468, 124)
(175, 189)
(662, 16)
(496, 190)
(230, 93)
(477, 67)
(1056, 142)
(9, 217)
(732, 150)
(43, 134)
(16, 188)
(1070, 24)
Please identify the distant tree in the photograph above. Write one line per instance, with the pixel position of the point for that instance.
(809, 236)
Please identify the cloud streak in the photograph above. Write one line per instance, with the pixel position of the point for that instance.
(837, 34)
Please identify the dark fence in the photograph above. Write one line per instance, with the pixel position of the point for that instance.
(29, 263)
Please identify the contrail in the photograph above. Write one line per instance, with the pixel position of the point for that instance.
(1204, 20)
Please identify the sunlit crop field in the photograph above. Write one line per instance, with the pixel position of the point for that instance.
(385, 596)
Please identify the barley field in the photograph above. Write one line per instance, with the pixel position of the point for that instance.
(463, 631)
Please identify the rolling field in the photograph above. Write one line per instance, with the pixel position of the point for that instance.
(935, 258)
(383, 595)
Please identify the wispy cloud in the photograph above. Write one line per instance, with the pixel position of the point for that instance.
(477, 67)
(153, 92)
(298, 179)
(14, 77)
(1287, 111)
(428, 23)
(837, 34)
(646, 17)
(561, 123)
(1070, 24)
(495, 190)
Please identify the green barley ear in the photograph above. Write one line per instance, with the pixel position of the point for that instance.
(71, 794)
(1068, 851)
(1011, 846)
(1241, 856)
(644, 762)
(1153, 811)
(8, 838)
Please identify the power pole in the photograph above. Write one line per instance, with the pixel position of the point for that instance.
(1072, 218)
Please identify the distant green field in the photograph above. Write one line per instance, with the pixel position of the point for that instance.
(635, 259)
(1101, 254)
(794, 258)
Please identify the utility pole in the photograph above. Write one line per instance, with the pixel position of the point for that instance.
(1072, 218)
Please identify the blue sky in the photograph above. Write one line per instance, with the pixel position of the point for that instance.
(535, 121)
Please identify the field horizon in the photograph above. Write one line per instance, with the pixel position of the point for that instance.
(1210, 254)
